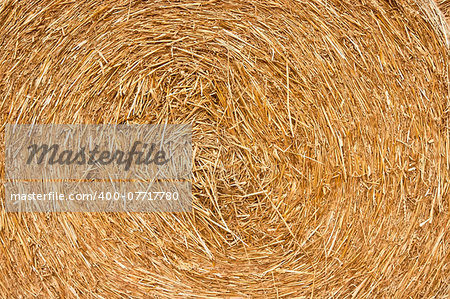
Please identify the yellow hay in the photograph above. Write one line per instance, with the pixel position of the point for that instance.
(321, 146)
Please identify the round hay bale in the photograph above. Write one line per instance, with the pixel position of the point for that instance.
(321, 146)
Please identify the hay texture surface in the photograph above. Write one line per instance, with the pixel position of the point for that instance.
(321, 146)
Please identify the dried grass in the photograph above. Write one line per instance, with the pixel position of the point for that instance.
(321, 134)
(444, 6)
